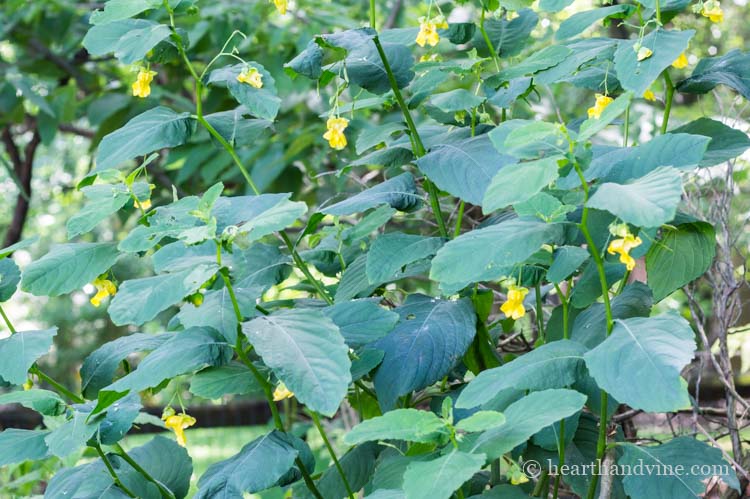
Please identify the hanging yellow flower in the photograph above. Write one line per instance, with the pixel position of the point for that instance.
(105, 288)
(623, 246)
(712, 10)
(602, 101)
(440, 22)
(428, 34)
(142, 84)
(513, 306)
(281, 6)
(644, 53)
(142, 205)
(649, 95)
(282, 392)
(178, 423)
(335, 132)
(681, 62)
(251, 76)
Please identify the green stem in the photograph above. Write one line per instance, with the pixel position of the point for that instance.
(667, 100)
(658, 13)
(57, 386)
(112, 471)
(495, 472)
(305, 270)
(539, 312)
(221, 140)
(372, 14)
(488, 42)
(419, 149)
(7, 321)
(459, 220)
(627, 126)
(331, 452)
(137, 467)
(561, 459)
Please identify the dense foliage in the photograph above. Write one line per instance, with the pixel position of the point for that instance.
(473, 224)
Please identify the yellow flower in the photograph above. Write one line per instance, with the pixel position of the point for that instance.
(178, 423)
(602, 101)
(712, 10)
(644, 53)
(335, 134)
(622, 246)
(28, 385)
(428, 34)
(681, 62)
(282, 392)
(251, 76)
(142, 85)
(649, 95)
(105, 288)
(513, 306)
(281, 6)
(142, 205)
(440, 22)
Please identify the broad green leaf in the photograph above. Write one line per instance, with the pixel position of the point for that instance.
(390, 252)
(17, 246)
(649, 201)
(588, 289)
(258, 466)
(232, 379)
(10, 276)
(437, 479)
(518, 182)
(115, 10)
(157, 128)
(129, 39)
(411, 425)
(370, 137)
(682, 254)
(508, 37)
(640, 362)
(726, 142)
(555, 365)
(730, 69)
(100, 366)
(464, 168)
(456, 100)
(506, 96)
(19, 352)
(489, 253)
(699, 461)
(361, 321)
(102, 40)
(579, 21)
(554, 5)
(72, 435)
(140, 300)
(236, 128)
(429, 340)
(567, 260)
(261, 102)
(17, 446)
(544, 207)
(185, 352)
(166, 221)
(42, 401)
(257, 216)
(87, 480)
(594, 125)
(537, 61)
(666, 45)
(367, 360)
(119, 417)
(102, 200)
(68, 267)
(174, 473)
(549, 438)
(308, 62)
(399, 192)
(177, 256)
(358, 465)
(365, 68)
(481, 421)
(306, 351)
(524, 418)
(585, 53)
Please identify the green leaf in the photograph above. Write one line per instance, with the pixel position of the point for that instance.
(261, 102)
(42, 401)
(640, 362)
(554, 365)
(308, 62)
(731, 69)
(567, 260)
(257, 216)
(456, 100)
(411, 425)
(236, 128)
(17, 446)
(726, 142)
(537, 61)
(102, 200)
(140, 300)
(390, 252)
(666, 45)
(306, 351)
(399, 192)
(10, 276)
(593, 125)
(185, 352)
(129, 39)
(19, 352)
(68, 267)
(489, 253)
(258, 466)
(17, 246)
(525, 418)
(649, 201)
(370, 137)
(115, 10)
(579, 21)
(157, 128)
(481, 421)
(554, 5)
(361, 321)
(166, 221)
(429, 340)
(358, 465)
(365, 68)
(681, 255)
(544, 207)
(174, 473)
(588, 289)
(508, 37)
(700, 462)
(71, 435)
(232, 379)
(100, 366)
(519, 182)
(437, 479)
(464, 168)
